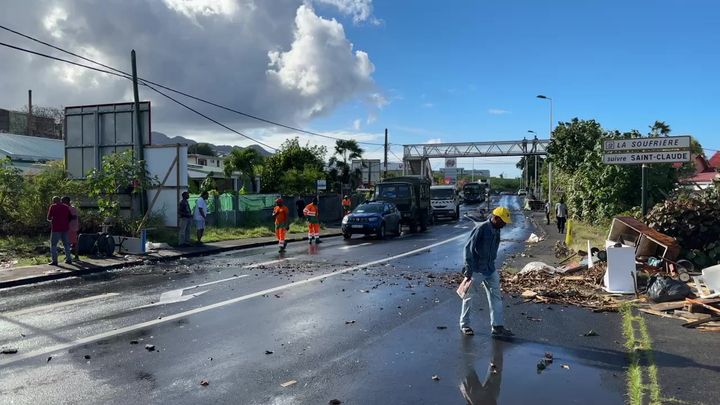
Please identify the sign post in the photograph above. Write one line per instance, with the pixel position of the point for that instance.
(644, 151)
(321, 185)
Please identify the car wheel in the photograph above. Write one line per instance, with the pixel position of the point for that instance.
(347, 235)
(381, 232)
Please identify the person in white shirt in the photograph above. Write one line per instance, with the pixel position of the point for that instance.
(200, 215)
(561, 215)
(547, 211)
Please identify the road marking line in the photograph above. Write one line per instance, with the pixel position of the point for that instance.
(354, 246)
(173, 296)
(132, 328)
(252, 266)
(60, 304)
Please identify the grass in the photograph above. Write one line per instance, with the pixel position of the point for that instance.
(213, 234)
(582, 232)
(27, 250)
(642, 361)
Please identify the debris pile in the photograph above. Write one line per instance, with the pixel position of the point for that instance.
(697, 313)
(581, 288)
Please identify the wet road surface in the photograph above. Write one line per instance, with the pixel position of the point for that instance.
(363, 321)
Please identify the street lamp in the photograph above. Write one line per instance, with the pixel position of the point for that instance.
(549, 197)
(534, 149)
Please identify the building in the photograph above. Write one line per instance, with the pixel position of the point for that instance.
(30, 153)
(15, 122)
(706, 172)
(201, 167)
(371, 170)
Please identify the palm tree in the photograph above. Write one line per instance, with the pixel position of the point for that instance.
(246, 161)
(659, 128)
(348, 150)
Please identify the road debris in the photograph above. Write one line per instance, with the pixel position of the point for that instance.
(204, 383)
(441, 327)
(87, 357)
(349, 322)
(48, 359)
(9, 350)
(335, 402)
(565, 366)
(435, 378)
(134, 342)
(269, 352)
(591, 333)
(150, 348)
(549, 285)
(288, 383)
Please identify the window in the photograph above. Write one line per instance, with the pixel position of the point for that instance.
(202, 162)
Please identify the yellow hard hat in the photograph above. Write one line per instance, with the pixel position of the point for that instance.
(503, 213)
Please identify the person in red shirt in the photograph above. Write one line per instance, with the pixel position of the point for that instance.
(59, 217)
(280, 213)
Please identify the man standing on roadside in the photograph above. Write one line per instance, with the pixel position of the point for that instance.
(280, 214)
(59, 218)
(184, 220)
(201, 215)
(479, 256)
(547, 211)
(313, 219)
(73, 226)
(561, 214)
(347, 205)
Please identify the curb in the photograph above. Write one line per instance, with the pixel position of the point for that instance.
(137, 262)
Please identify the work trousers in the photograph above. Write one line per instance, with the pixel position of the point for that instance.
(491, 282)
(313, 230)
(184, 227)
(56, 237)
(561, 224)
(280, 233)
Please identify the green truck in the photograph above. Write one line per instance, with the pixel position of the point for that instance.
(411, 196)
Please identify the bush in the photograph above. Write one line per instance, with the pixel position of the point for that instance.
(694, 220)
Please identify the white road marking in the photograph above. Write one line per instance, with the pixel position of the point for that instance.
(173, 296)
(131, 328)
(354, 246)
(59, 304)
(252, 266)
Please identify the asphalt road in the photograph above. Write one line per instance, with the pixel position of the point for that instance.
(361, 321)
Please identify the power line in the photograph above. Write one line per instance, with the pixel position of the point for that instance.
(267, 121)
(124, 76)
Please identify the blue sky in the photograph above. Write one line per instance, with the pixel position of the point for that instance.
(469, 71)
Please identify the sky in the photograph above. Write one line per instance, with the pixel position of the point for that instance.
(428, 71)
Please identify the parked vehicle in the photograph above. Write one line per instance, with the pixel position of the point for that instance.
(473, 193)
(411, 196)
(522, 192)
(445, 201)
(372, 218)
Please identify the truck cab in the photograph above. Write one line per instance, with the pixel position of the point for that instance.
(445, 201)
(411, 196)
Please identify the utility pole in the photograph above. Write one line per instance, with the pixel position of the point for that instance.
(29, 114)
(386, 153)
(138, 128)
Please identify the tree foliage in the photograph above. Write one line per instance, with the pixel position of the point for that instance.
(341, 171)
(247, 161)
(201, 149)
(292, 156)
(120, 174)
(11, 183)
(595, 191)
(694, 220)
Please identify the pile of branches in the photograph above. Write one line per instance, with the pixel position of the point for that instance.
(581, 288)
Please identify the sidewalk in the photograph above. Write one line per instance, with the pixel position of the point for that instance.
(34, 274)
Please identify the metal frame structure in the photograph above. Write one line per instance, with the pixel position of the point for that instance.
(475, 149)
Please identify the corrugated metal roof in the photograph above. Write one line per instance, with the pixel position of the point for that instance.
(31, 148)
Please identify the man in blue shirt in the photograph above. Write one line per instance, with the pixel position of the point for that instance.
(480, 253)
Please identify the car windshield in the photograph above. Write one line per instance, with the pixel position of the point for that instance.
(473, 188)
(369, 208)
(392, 191)
(442, 193)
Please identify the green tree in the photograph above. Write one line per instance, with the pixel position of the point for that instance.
(208, 183)
(247, 161)
(291, 155)
(201, 149)
(120, 174)
(347, 150)
(298, 182)
(11, 186)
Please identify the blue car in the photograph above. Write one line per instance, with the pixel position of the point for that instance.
(372, 218)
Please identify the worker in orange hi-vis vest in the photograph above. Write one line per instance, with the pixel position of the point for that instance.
(313, 219)
(347, 205)
(280, 214)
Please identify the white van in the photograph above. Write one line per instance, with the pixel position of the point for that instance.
(445, 201)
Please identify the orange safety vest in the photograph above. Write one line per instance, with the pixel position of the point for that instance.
(281, 214)
(346, 202)
(311, 212)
